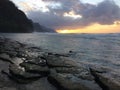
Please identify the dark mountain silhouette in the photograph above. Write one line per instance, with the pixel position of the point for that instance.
(12, 19)
(40, 28)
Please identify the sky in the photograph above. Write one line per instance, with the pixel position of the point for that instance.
(74, 16)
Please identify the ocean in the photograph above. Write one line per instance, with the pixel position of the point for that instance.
(93, 49)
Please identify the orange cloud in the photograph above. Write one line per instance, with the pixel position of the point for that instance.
(94, 28)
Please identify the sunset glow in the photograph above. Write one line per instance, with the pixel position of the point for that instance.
(95, 28)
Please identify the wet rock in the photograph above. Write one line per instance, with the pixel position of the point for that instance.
(43, 70)
(34, 48)
(70, 51)
(73, 70)
(41, 84)
(17, 60)
(21, 54)
(4, 66)
(11, 53)
(5, 57)
(54, 61)
(62, 54)
(65, 81)
(8, 48)
(99, 69)
(58, 54)
(105, 79)
(78, 72)
(8, 88)
(38, 61)
(20, 73)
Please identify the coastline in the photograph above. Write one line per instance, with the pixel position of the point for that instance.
(26, 65)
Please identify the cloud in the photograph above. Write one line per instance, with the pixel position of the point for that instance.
(106, 12)
(53, 20)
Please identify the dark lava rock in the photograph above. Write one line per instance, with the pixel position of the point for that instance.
(58, 54)
(54, 61)
(78, 72)
(17, 60)
(68, 70)
(67, 74)
(106, 79)
(65, 81)
(41, 84)
(5, 57)
(11, 53)
(19, 74)
(43, 70)
(8, 88)
(38, 61)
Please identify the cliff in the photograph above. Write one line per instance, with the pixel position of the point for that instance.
(40, 28)
(12, 19)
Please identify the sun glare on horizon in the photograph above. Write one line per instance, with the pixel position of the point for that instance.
(94, 28)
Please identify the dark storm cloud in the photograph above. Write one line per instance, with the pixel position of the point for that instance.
(105, 12)
(66, 5)
(54, 21)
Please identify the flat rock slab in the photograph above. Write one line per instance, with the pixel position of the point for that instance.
(41, 84)
(5, 57)
(37, 61)
(8, 88)
(35, 68)
(20, 73)
(71, 82)
(55, 61)
(108, 80)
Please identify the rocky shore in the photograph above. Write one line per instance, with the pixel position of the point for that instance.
(26, 67)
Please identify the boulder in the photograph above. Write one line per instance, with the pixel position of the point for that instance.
(8, 88)
(71, 82)
(83, 73)
(20, 73)
(106, 79)
(11, 53)
(43, 70)
(5, 57)
(55, 61)
(17, 60)
(37, 61)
